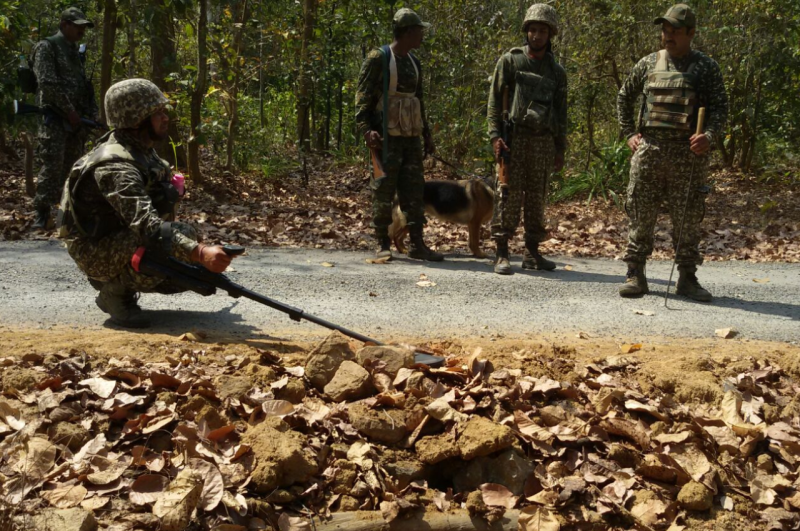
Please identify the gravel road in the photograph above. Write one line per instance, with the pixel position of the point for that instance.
(41, 287)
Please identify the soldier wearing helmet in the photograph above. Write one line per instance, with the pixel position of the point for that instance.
(119, 197)
(534, 85)
(390, 114)
(674, 84)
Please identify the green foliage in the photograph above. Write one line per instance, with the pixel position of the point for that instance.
(606, 177)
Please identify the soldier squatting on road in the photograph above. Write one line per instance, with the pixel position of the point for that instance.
(674, 82)
(537, 85)
(119, 197)
(63, 87)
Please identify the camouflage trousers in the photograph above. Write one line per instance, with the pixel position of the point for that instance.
(57, 151)
(660, 172)
(108, 259)
(404, 177)
(532, 159)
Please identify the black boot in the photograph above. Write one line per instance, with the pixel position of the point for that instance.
(689, 286)
(531, 259)
(635, 282)
(385, 249)
(120, 303)
(42, 218)
(502, 266)
(419, 250)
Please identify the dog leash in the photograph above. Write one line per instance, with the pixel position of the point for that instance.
(456, 168)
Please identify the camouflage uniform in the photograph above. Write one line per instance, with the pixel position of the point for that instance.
(63, 86)
(661, 166)
(403, 167)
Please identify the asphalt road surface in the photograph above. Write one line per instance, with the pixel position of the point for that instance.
(41, 287)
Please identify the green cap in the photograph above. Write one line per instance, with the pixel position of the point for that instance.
(679, 16)
(405, 18)
(76, 16)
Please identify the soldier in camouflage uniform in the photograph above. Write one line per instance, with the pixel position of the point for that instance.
(537, 94)
(63, 87)
(674, 83)
(119, 197)
(405, 130)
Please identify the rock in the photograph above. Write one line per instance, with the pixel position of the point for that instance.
(209, 415)
(281, 457)
(233, 386)
(509, 469)
(293, 392)
(260, 375)
(475, 504)
(381, 425)
(483, 437)
(280, 496)
(351, 382)
(695, 496)
(324, 360)
(406, 471)
(553, 415)
(70, 434)
(395, 358)
(348, 503)
(65, 520)
(436, 448)
(624, 456)
(20, 379)
(345, 476)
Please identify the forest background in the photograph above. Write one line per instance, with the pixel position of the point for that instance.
(259, 88)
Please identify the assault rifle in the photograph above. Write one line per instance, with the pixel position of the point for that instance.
(505, 156)
(50, 114)
(201, 280)
(377, 164)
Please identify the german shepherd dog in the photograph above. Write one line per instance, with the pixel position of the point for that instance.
(467, 202)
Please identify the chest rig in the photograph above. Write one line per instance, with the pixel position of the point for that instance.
(671, 96)
(403, 109)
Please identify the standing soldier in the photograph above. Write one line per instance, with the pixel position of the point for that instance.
(675, 83)
(391, 82)
(63, 88)
(535, 85)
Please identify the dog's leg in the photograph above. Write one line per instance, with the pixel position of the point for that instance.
(399, 240)
(475, 237)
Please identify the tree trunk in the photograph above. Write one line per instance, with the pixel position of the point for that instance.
(164, 61)
(132, 44)
(107, 60)
(304, 85)
(233, 116)
(200, 87)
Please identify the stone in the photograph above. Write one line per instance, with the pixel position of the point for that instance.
(475, 504)
(695, 496)
(209, 415)
(281, 457)
(380, 425)
(395, 358)
(348, 503)
(405, 471)
(624, 456)
(482, 437)
(75, 519)
(324, 360)
(351, 382)
(233, 387)
(70, 434)
(436, 448)
(344, 477)
(293, 392)
(509, 469)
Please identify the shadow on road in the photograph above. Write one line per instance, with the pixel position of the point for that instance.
(778, 309)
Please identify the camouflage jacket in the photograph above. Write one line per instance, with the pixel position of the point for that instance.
(120, 191)
(369, 93)
(710, 92)
(504, 75)
(62, 77)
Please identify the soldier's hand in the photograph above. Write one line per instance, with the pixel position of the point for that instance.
(700, 144)
(212, 257)
(634, 141)
(74, 118)
(499, 146)
(373, 140)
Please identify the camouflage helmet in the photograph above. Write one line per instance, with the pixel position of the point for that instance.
(542, 13)
(130, 102)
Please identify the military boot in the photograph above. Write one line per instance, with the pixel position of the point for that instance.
(42, 218)
(385, 249)
(635, 282)
(120, 303)
(502, 266)
(689, 286)
(419, 250)
(531, 259)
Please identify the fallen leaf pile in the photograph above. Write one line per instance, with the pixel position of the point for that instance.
(249, 442)
(334, 212)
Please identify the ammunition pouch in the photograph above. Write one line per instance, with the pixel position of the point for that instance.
(534, 97)
(671, 98)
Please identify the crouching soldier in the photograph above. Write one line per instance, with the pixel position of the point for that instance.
(119, 197)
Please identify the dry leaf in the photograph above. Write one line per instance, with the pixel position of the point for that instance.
(11, 416)
(379, 261)
(65, 497)
(649, 511)
(761, 280)
(648, 313)
(93, 447)
(327, 264)
(725, 333)
(293, 523)
(633, 405)
(148, 488)
(628, 429)
(100, 386)
(627, 349)
(178, 502)
(114, 471)
(277, 408)
(535, 518)
(497, 495)
(568, 267)
(95, 503)
(213, 484)
(164, 380)
(36, 457)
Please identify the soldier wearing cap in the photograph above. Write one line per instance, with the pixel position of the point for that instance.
(390, 114)
(120, 197)
(674, 84)
(536, 86)
(64, 88)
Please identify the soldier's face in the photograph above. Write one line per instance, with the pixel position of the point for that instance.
(538, 34)
(677, 41)
(159, 125)
(414, 36)
(73, 32)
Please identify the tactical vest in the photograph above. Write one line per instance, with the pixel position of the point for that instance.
(671, 97)
(403, 109)
(534, 94)
(156, 172)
